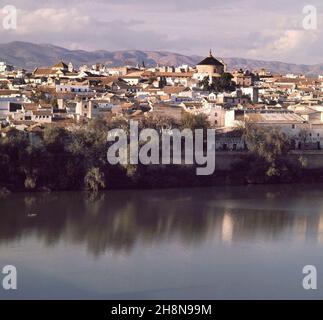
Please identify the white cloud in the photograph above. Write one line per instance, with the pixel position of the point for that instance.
(286, 44)
(246, 28)
(50, 20)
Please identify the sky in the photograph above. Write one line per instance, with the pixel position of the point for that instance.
(255, 29)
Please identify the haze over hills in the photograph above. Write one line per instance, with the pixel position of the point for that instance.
(28, 55)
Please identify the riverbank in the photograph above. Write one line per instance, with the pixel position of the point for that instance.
(60, 160)
(169, 177)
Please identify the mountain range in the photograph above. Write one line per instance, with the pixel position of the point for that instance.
(29, 55)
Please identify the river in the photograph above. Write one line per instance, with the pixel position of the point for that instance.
(247, 242)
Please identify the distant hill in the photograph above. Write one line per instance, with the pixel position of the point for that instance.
(28, 55)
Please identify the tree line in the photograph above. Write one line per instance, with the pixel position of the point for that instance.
(60, 159)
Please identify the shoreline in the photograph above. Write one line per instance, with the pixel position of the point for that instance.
(219, 179)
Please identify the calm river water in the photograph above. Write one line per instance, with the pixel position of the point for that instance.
(214, 243)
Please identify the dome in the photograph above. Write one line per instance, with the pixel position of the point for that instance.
(210, 61)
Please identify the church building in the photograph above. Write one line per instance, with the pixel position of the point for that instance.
(210, 67)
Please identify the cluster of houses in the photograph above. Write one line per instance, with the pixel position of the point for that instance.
(62, 95)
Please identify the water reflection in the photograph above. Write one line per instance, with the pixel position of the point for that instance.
(119, 220)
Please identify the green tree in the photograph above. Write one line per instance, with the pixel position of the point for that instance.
(205, 83)
(270, 145)
(94, 180)
(218, 84)
(224, 83)
(55, 137)
(13, 150)
(195, 121)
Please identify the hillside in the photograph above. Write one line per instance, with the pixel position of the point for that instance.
(28, 55)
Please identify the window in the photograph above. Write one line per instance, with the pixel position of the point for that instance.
(293, 126)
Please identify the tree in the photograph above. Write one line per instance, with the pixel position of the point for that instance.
(55, 138)
(218, 84)
(205, 83)
(224, 83)
(98, 124)
(157, 122)
(270, 145)
(94, 180)
(30, 182)
(195, 121)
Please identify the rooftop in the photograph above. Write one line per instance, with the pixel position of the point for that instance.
(210, 61)
(61, 65)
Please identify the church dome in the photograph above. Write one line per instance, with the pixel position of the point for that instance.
(210, 61)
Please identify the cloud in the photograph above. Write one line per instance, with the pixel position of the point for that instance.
(285, 44)
(73, 29)
(246, 28)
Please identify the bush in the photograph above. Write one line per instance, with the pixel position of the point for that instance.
(94, 180)
(30, 183)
